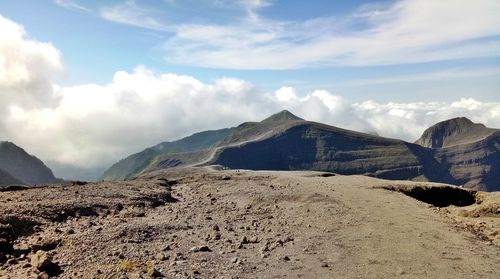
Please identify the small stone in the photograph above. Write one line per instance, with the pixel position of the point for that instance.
(234, 260)
(215, 228)
(285, 259)
(253, 239)
(244, 240)
(43, 275)
(153, 273)
(40, 260)
(167, 248)
(202, 248)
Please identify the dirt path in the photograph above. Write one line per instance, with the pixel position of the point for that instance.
(242, 224)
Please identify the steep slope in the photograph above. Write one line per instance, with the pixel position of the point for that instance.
(470, 152)
(23, 166)
(137, 162)
(7, 179)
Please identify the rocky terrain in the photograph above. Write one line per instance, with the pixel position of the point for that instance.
(206, 222)
(23, 167)
(456, 151)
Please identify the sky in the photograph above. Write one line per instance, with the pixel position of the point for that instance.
(86, 83)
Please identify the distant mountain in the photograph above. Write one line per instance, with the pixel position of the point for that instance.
(456, 151)
(136, 163)
(23, 166)
(7, 179)
(470, 152)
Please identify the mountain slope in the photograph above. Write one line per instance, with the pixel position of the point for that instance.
(23, 166)
(7, 179)
(137, 162)
(470, 151)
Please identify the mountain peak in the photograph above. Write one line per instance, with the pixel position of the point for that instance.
(282, 116)
(455, 131)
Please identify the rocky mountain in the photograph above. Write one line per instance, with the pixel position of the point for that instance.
(456, 151)
(137, 162)
(470, 152)
(25, 168)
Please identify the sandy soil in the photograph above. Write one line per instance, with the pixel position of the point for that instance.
(245, 224)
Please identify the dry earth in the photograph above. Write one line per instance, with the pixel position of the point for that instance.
(207, 223)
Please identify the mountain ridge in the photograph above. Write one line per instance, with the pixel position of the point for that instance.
(446, 152)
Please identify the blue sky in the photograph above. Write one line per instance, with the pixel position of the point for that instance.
(86, 83)
(98, 38)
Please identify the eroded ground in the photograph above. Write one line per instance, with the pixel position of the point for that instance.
(242, 224)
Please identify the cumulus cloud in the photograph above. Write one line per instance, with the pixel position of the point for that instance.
(94, 125)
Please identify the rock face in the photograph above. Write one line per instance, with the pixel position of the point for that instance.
(23, 166)
(470, 152)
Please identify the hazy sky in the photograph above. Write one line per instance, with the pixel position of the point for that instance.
(88, 82)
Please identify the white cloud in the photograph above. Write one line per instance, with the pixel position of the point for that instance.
(443, 75)
(93, 125)
(130, 13)
(26, 66)
(71, 4)
(408, 31)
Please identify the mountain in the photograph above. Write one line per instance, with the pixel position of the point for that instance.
(456, 131)
(23, 166)
(470, 152)
(135, 163)
(7, 179)
(287, 142)
(456, 151)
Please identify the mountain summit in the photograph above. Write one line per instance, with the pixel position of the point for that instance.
(282, 116)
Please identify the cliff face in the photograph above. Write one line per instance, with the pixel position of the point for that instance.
(23, 166)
